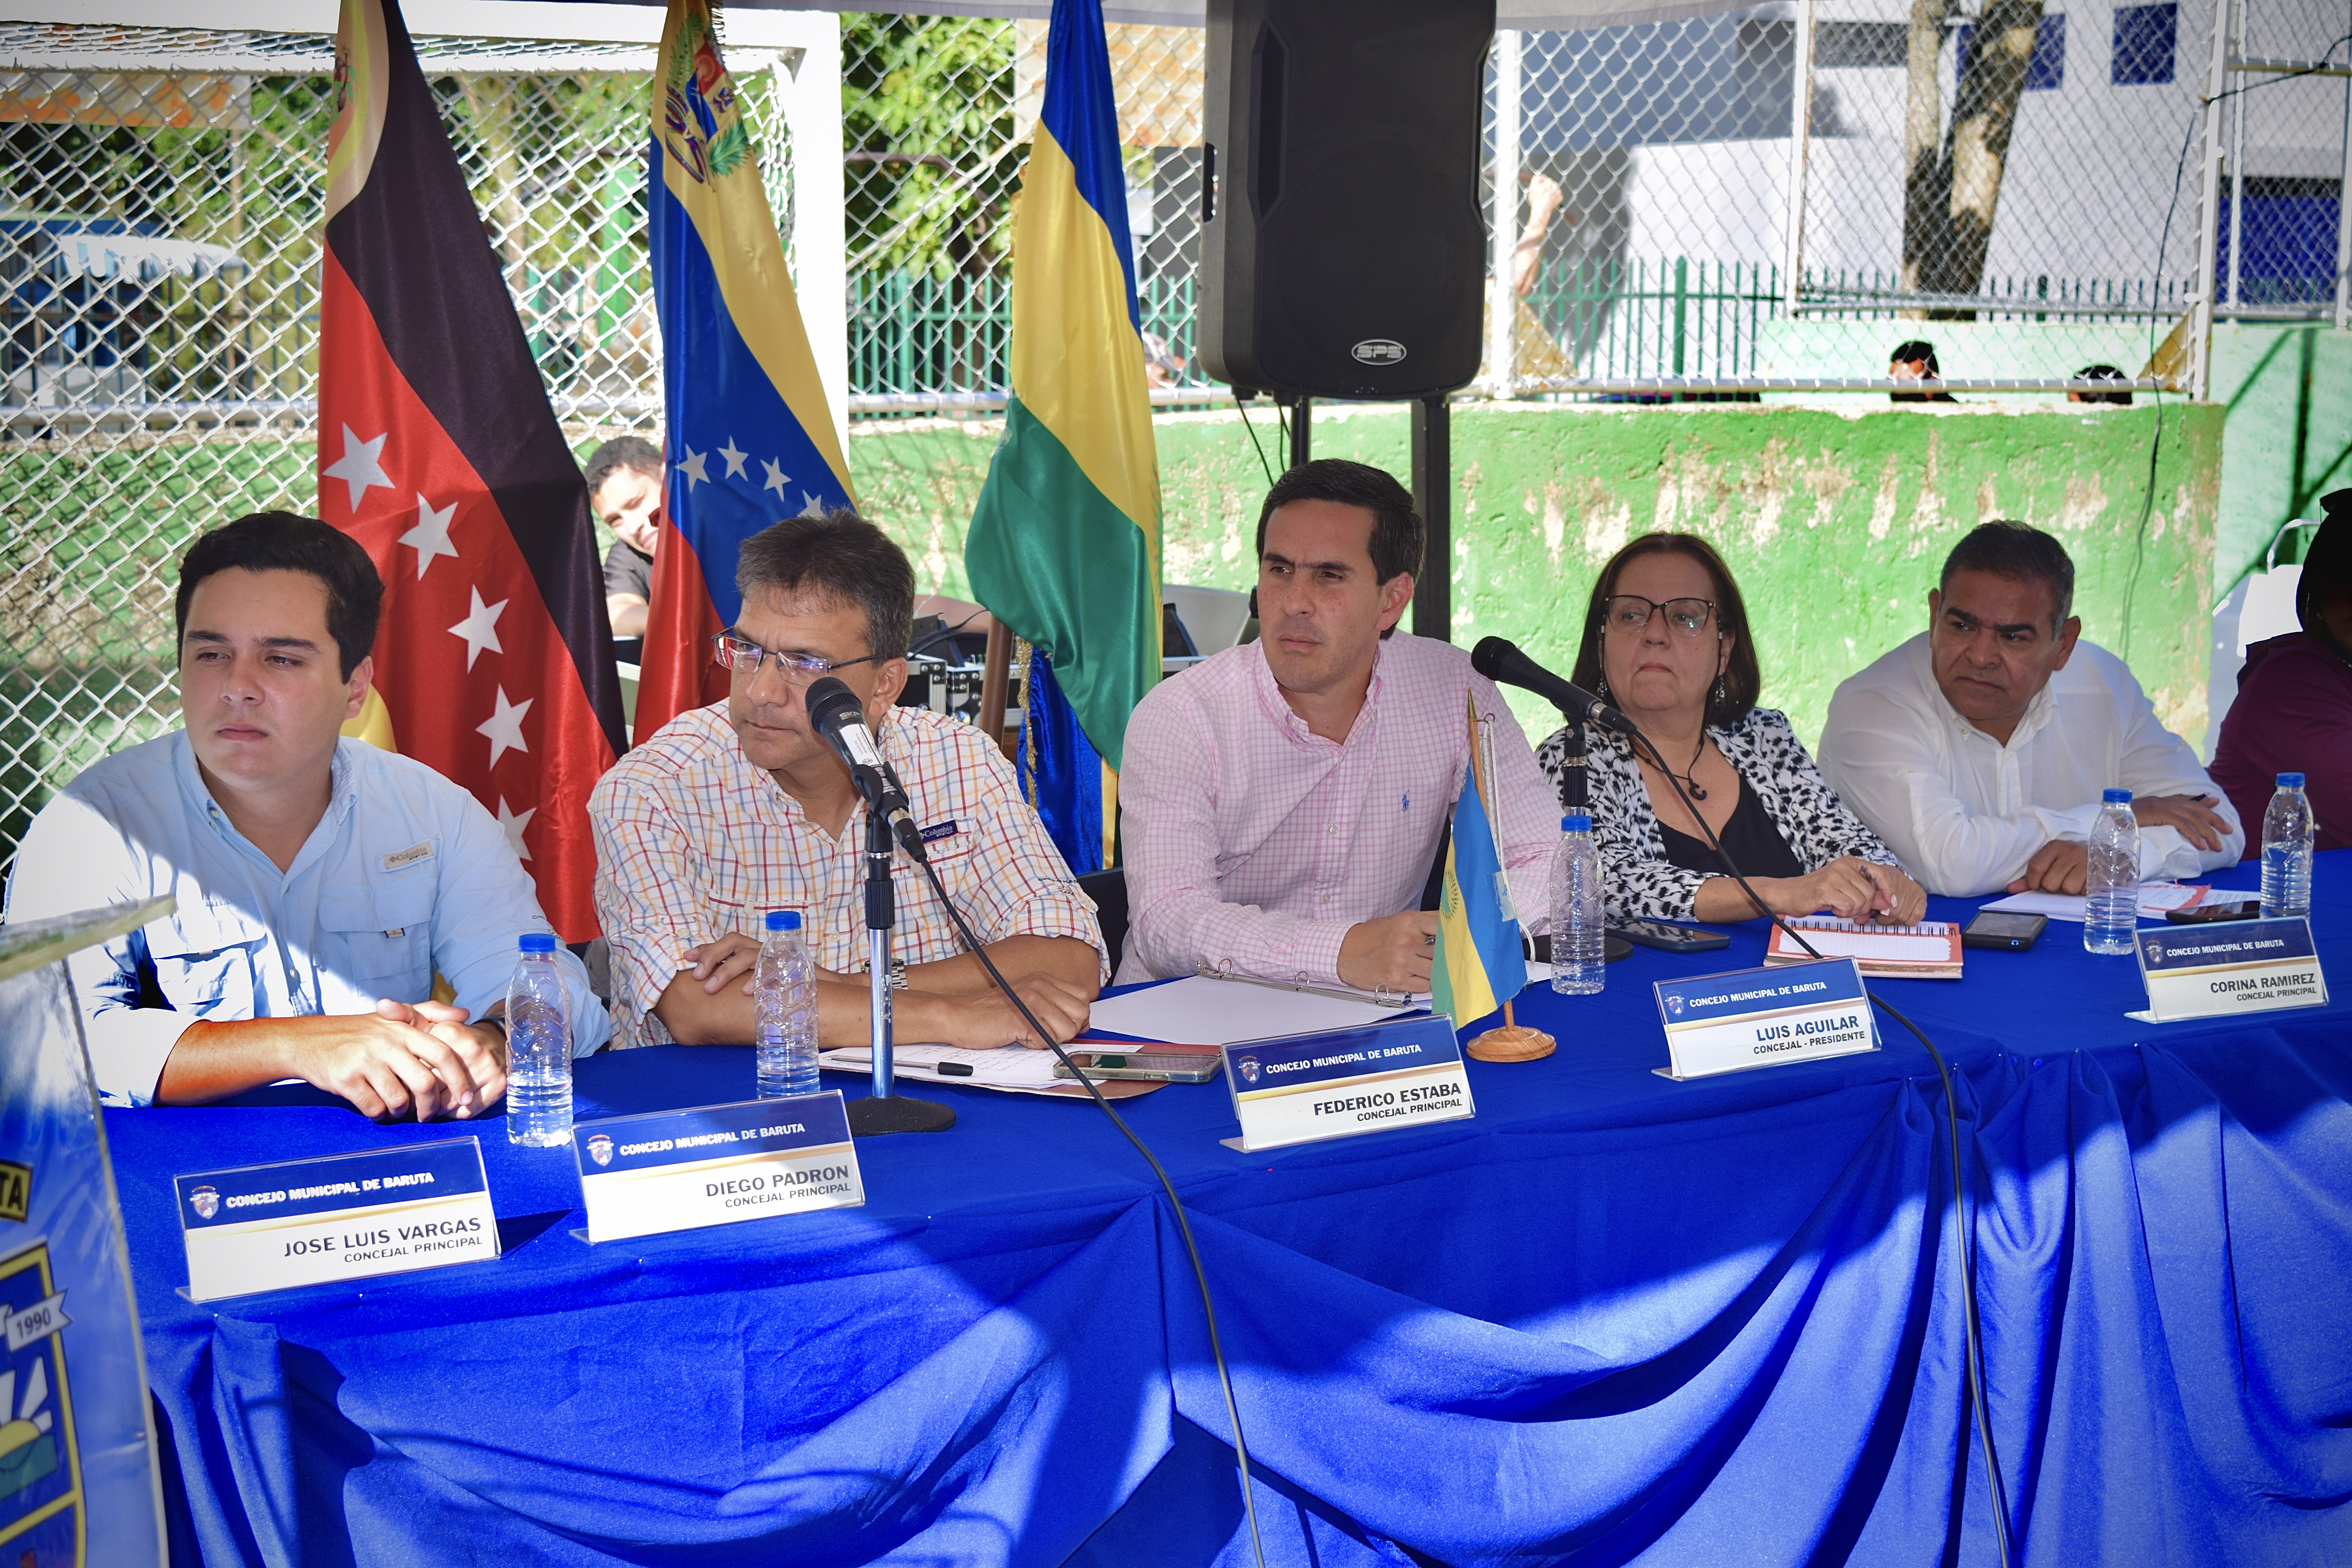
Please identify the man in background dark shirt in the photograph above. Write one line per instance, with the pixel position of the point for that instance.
(624, 492)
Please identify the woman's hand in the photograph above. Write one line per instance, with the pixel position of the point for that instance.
(1901, 900)
(1844, 887)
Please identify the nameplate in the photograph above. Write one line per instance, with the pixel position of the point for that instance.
(346, 1217)
(683, 1170)
(1763, 1018)
(2235, 967)
(1303, 1088)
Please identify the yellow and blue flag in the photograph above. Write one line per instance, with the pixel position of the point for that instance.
(1478, 965)
(750, 438)
(1064, 544)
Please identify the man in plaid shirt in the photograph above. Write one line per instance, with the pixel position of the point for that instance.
(1283, 801)
(738, 808)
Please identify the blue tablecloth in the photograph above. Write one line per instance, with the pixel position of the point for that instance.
(1612, 1318)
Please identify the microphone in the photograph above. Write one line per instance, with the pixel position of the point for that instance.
(835, 713)
(1499, 659)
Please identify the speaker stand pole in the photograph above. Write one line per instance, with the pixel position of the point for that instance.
(886, 1111)
(1302, 414)
(1433, 483)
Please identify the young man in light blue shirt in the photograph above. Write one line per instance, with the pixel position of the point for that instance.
(321, 883)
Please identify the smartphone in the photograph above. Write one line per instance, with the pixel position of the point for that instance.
(1143, 1062)
(2003, 929)
(2221, 909)
(1672, 938)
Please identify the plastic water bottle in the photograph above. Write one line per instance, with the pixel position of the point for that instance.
(1577, 963)
(785, 1004)
(2111, 880)
(2287, 851)
(538, 1047)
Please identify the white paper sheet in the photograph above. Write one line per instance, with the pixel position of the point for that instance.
(1198, 1011)
(2154, 897)
(1008, 1067)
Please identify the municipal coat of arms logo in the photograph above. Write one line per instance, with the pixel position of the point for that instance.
(600, 1149)
(700, 128)
(1675, 1006)
(2155, 950)
(206, 1201)
(40, 1469)
(1249, 1067)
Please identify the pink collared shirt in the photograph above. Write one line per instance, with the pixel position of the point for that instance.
(1254, 844)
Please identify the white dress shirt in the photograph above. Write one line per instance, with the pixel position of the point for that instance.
(1252, 844)
(1965, 813)
(405, 875)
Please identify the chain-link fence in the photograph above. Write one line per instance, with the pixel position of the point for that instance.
(160, 230)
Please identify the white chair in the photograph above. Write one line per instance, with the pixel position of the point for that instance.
(1213, 618)
(2260, 606)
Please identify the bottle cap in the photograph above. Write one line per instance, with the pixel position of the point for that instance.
(536, 941)
(783, 920)
(2289, 781)
(2117, 797)
(1576, 822)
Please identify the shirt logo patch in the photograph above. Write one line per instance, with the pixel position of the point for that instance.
(408, 857)
(939, 830)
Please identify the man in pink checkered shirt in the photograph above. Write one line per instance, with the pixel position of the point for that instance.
(1281, 801)
(738, 808)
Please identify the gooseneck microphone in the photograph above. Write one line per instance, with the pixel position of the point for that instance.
(835, 713)
(1499, 659)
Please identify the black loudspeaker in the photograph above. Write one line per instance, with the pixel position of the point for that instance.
(1341, 240)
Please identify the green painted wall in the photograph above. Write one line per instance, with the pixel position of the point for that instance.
(2288, 391)
(1835, 522)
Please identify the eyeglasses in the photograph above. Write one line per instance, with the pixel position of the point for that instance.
(1628, 613)
(734, 652)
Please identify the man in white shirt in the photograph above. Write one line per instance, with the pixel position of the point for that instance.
(1283, 801)
(1978, 750)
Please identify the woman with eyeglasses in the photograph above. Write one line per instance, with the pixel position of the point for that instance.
(1666, 641)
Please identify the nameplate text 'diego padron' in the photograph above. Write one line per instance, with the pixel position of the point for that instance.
(682, 1170)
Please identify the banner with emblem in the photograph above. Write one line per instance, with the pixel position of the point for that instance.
(78, 1483)
(750, 436)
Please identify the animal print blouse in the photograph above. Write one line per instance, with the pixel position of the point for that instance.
(1640, 881)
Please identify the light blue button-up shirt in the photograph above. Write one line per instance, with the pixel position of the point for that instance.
(405, 875)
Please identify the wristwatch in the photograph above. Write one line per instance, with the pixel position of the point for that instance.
(897, 975)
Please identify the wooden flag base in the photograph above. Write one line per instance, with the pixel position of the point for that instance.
(1512, 1042)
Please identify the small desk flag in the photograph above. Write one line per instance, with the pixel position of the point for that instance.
(751, 439)
(494, 656)
(1478, 965)
(1064, 544)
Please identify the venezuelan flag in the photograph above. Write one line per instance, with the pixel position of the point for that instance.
(750, 438)
(1063, 545)
(1478, 965)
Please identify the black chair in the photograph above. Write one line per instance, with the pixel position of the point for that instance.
(1108, 891)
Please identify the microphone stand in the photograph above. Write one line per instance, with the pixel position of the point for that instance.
(887, 1111)
(1573, 797)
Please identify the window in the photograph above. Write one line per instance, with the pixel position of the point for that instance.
(2046, 70)
(2144, 35)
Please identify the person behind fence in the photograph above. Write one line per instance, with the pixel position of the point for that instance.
(1666, 640)
(2121, 397)
(1979, 749)
(1916, 361)
(2294, 707)
(624, 492)
(742, 807)
(1283, 801)
(321, 884)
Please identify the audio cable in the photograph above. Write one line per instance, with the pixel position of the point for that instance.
(1962, 1233)
(1183, 1224)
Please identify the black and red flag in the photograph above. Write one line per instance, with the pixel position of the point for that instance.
(439, 452)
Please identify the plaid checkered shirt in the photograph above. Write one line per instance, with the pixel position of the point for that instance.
(694, 841)
(1252, 844)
